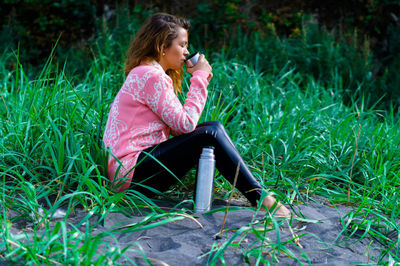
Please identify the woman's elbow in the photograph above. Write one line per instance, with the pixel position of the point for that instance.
(187, 127)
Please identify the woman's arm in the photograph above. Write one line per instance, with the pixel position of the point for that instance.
(161, 98)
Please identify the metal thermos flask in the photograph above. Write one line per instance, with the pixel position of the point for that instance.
(205, 180)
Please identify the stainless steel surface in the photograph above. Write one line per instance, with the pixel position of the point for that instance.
(205, 180)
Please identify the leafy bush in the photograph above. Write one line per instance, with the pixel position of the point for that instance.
(360, 44)
(37, 25)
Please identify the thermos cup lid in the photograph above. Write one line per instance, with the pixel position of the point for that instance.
(193, 58)
(190, 56)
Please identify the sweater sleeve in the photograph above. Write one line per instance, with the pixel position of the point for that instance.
(162, 100)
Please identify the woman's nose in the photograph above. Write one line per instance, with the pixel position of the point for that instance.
(186, 52)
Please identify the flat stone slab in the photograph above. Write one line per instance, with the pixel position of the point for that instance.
(179, 238)
(184, 242)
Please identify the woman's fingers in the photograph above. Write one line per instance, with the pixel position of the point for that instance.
(202, 64)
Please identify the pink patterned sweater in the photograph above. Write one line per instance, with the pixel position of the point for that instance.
(145, 112)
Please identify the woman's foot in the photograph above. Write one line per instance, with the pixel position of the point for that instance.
(276, 208)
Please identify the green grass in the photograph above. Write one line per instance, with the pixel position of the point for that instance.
(295, 130)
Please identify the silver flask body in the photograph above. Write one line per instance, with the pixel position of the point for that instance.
(205, 180)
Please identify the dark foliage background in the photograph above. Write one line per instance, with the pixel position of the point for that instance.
(372, 27)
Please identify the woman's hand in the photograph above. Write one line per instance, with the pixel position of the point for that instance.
(202, 64)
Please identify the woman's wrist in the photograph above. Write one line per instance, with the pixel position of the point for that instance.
(201, 73)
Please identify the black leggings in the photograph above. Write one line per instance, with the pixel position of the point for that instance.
(180, 154)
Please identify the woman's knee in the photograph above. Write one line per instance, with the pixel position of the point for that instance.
(212, 124)
(208, 123)
(213, 128)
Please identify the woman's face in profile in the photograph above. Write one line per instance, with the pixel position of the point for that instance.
(176, 53)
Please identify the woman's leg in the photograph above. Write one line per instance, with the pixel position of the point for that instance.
(180, 154)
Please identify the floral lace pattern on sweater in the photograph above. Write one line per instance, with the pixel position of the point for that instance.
(143, 114)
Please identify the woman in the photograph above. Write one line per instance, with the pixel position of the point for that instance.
(146, 111)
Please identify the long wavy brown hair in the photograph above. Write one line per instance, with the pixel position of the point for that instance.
(154, 36)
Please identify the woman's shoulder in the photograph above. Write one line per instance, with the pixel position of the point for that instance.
(147, 75)
(151, 68)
